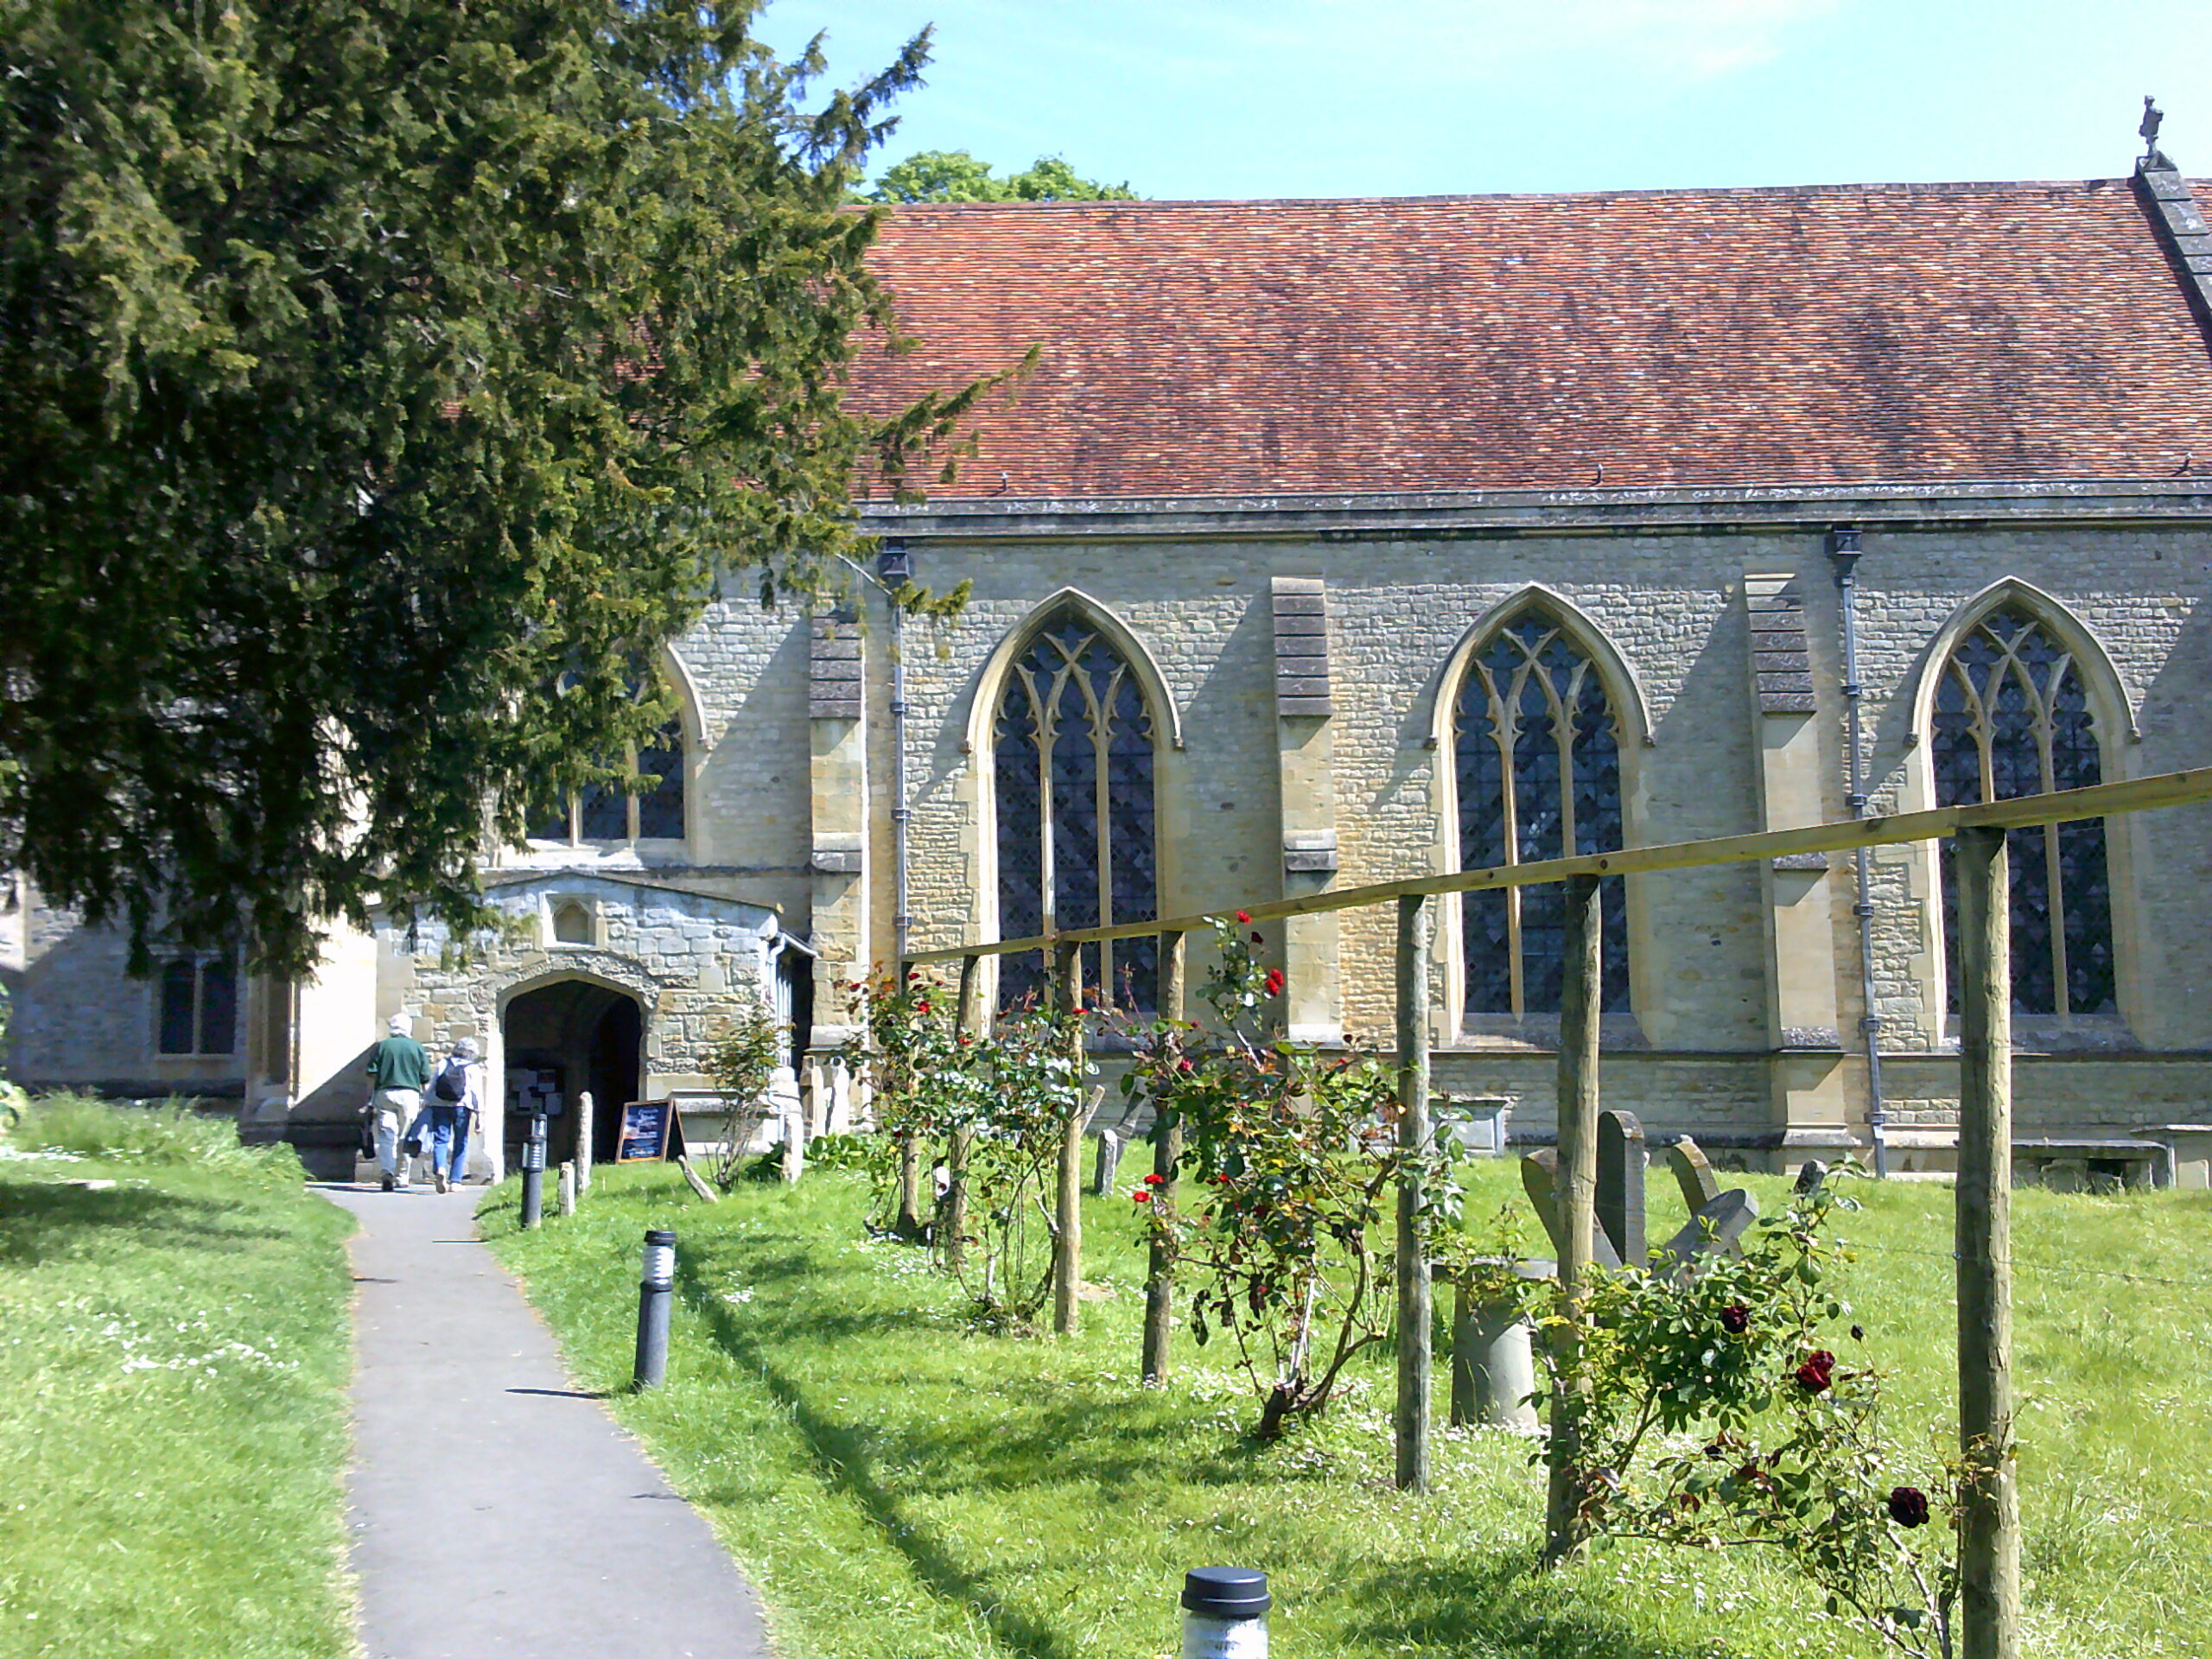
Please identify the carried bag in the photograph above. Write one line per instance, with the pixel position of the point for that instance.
(451, 1085)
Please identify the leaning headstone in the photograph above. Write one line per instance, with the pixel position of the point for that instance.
(1109, 1160)
(1714, 1229)
(1810, 1177)
(1693, 1173)
(1620, 1183)
(1540, 1179)
(1493, 1356)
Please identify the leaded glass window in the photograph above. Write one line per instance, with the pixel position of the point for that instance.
(198, 1012)
(600, 813)
(2012, 718)
(1074, 789)
(1536, 750)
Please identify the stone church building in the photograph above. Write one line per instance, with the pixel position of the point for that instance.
(1334, 542)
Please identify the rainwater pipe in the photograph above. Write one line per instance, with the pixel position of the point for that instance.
(1844, 555)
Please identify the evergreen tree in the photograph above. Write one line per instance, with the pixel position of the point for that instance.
(382, 382)
(956, 175)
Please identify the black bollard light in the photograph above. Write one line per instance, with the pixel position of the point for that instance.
(655, 1289)
(533, 1172)
(1225, 1613)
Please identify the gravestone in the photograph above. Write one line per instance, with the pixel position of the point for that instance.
(1620, 1183)
(1540, 1179)
(1714, 1229)
(1110, 1160)
(1810, 1177)
(1693, 1173)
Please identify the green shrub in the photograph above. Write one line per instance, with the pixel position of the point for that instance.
(169, 1134)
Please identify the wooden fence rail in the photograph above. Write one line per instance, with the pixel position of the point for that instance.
(1990, 1537)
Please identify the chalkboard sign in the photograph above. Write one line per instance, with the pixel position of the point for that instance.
(650, 1132)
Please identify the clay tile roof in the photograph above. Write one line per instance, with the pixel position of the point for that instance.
(1689, 338)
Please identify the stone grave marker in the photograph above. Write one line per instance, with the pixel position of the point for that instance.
(1620, 1183)
(1540, 1179)
(1714, 1229)
(1693, 1173)
(1110, 1160)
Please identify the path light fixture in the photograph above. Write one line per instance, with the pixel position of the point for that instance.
(1225, 1613)
(533, 1172)
(655, 1289)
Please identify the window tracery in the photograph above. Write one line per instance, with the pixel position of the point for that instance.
(1073, 785)
(198, 1012)
(1536, 758)
(2011, 717)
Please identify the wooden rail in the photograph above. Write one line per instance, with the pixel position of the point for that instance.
(2021, 812)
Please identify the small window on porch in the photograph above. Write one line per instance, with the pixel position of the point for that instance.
(571, 923)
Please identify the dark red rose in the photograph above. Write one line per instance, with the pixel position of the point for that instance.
(1817, 1372)
(1908, 1506)
(1182, 1065)
(1735, 1319)
(1274, 983)
(1858, 1334)
(922, 1006)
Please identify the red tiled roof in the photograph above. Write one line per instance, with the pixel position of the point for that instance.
(1890, 333)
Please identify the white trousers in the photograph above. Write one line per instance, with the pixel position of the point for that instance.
(394, 1109)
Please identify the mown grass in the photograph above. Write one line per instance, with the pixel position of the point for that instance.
(174, 1349)
(903, 1488)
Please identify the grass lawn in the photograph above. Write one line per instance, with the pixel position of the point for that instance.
(174, 1355)
(902, 1488)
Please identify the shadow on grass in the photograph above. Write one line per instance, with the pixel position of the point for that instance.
(1487, 1603)
(848, 1463)
(40, 1221)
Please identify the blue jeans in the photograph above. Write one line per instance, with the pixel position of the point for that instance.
(443, 1130)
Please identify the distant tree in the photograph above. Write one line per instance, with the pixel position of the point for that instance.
(956, 175)
(380, 385)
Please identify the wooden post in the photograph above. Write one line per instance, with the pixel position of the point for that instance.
(1989, 1497)
(1067, 1211)
(1167, 1160)
(1580, 999)
(955, 1224)
(1414, 1360)
(587, 1129)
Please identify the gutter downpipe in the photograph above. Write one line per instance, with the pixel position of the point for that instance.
(1844, 553)
(894, 568)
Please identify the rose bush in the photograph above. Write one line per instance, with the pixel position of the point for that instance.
(1292, 1160)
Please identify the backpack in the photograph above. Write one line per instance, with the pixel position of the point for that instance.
(451, 1085)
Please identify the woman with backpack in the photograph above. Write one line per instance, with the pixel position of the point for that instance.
(449, 1108)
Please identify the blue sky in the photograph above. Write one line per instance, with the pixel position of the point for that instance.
(1196, 98)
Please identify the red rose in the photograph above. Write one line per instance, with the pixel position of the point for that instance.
(1142, 1195)
(1908, 1506)
(1258, 938)
(1813, 1375)
(1245, 917)
(1182, 1065)
(921, 1007)
(1156, 1180)
(1222, 1180)
(1735, 1319)
(1275, 982)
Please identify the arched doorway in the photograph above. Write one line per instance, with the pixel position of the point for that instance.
(560, 1040)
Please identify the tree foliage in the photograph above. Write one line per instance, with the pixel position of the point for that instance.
(382, 383)
(956, 175)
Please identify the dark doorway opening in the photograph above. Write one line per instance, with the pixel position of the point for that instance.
(563, 1038)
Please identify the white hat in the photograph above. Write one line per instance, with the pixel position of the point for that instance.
(465, 1049)
(399, 1024)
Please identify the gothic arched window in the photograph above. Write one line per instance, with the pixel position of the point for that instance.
(2012, 718)
(607, 812)
(1536, 755)
(1073, 743)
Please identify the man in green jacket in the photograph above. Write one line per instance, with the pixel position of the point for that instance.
(399, 1068)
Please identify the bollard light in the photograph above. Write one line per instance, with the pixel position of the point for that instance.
(1225, 1613)
(533, 1172)
(656, 1287)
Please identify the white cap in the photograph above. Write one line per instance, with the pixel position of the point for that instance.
(399, 1024)
(465, 1049)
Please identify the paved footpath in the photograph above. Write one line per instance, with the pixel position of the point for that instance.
(495, 1510)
